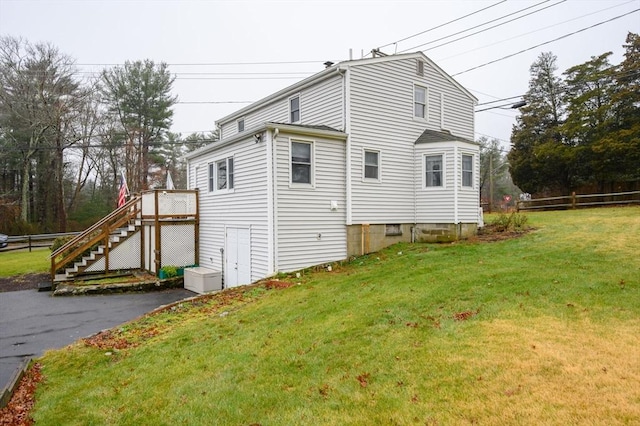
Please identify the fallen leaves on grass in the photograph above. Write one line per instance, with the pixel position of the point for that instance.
(108, 339)
(463, 316)
(363, 379)
(16, 413)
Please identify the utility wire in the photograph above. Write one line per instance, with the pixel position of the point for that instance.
(442, 25)
(488, 22)
(495, 26)
(535, 31)
(545, 43)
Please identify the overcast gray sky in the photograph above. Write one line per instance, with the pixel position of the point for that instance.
(226, 52)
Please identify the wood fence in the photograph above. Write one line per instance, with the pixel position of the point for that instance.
(575, 201)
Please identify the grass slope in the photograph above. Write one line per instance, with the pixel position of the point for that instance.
(22, 262)
(542, 329)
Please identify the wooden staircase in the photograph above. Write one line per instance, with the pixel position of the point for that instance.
(94, 244)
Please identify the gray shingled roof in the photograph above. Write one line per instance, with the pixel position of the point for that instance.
(430, 136)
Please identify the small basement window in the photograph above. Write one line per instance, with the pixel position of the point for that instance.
(391, 230)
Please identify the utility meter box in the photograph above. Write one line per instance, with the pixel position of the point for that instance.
(202, 280)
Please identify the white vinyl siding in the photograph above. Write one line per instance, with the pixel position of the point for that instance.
(382, 117)
(309, 231)
(321, 105)
(244, 207)
(437, 206)
(469, 197)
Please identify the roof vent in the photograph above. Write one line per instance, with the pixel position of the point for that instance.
(328, 64)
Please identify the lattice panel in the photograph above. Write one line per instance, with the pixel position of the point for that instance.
(124, 256)
(178, 245)
(170, 203)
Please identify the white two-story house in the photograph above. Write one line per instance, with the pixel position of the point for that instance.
(361, 155)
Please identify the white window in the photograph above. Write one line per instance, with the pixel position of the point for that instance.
(419, 102)
(221, 175)
(294, 109)
(241, 125)
(371, 164)
(301, 162)
(433, 168)
(467, 170)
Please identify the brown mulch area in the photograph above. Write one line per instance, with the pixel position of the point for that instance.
(23, 282)
(488, 235)
(16, 413)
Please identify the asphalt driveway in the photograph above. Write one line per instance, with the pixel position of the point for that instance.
(32, 322)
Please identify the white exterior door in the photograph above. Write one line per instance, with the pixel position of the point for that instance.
(238, 257)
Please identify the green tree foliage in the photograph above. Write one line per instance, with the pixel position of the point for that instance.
(138, 98)
(536, 137)
(583, 130)
(619, 147)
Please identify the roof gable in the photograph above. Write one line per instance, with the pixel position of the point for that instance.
(333, 70)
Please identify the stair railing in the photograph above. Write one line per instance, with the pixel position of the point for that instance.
(99, 232)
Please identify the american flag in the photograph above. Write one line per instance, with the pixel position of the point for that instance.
(124, 191)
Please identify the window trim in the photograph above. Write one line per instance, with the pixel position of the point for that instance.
(443, 176)
(312, 166)
(299, 110)
(426, 102)
(462, 171)
(364, 165)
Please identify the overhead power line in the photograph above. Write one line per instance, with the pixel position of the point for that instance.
(486, 23)
(442, 25)
(475, 49)
(545, 43)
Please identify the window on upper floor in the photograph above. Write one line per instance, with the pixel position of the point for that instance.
(433, 171)
(371, 164)
(241, 125)
(301, 162)
(467, 170)
(221, 175)
(420, 102)
(294, 109)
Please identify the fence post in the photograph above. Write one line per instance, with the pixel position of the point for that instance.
(573, 200)
(29, 243)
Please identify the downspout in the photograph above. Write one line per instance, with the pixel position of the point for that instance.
(416, 179)
(272, 136)
(347, 130)
(456, 183)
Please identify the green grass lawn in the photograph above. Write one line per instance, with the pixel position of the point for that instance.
(541, 329)
(20, 262)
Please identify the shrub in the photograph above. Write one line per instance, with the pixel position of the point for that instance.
(512, 222)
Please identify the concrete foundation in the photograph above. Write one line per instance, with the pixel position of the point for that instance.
(365, 238)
